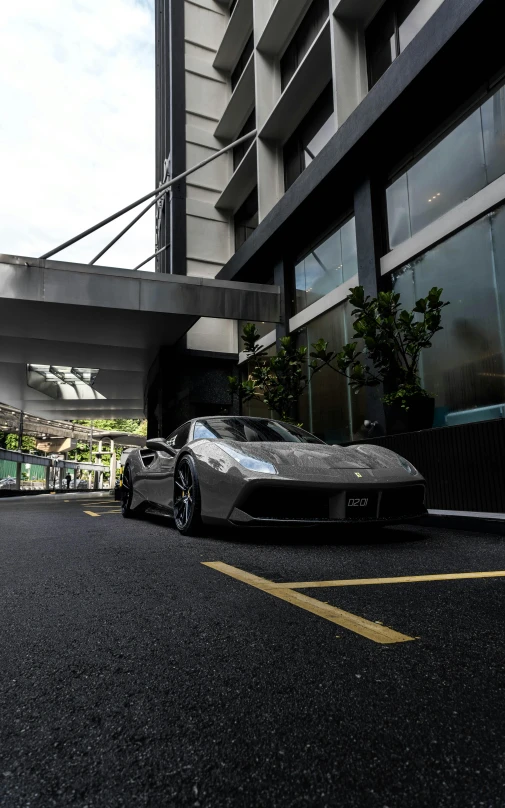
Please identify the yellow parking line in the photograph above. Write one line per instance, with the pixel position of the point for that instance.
(372, 631)
(90, 513)
(407, 579)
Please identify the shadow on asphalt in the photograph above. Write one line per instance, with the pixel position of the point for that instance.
(306, 536)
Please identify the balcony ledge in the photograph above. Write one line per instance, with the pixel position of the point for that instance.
(242, 182)
(239, 106)
(282, 24)
(235, 37)
(312, 76)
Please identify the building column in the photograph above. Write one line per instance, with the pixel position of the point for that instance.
(282, 279)
(19, 466)
(267, 93)
(177, 134)
(48, 477)
(113, 465)
(368, 239)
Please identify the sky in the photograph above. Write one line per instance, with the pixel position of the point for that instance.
(77, 113)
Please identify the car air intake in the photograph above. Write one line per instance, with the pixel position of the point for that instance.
(402, 502)
(276, 502)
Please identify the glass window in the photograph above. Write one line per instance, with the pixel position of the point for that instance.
(329, 408)
(464, 369)
(255, 408)
(242, 62)
(262, 328)
(493, 125)
(240, 151)
(246, 219)
(392, 29)
(310, 137)
(464, 162)
(304, 37)
(180, 437)
(252, 430)
(202, 432)
(326, 266)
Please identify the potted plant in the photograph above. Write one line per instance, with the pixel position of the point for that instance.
(391, 340)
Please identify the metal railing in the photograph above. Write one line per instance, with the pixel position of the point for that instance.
(158, 193)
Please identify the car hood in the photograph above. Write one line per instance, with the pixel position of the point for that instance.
(311, 457)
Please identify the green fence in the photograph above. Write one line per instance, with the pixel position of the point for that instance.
(7, 469)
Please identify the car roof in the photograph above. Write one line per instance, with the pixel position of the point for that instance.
(233, 417)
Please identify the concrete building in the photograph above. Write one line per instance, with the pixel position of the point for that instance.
(379, 160)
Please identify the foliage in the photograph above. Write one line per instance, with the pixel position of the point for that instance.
(278, 380)
(404, 394)
(10, 441)
(392, 340)
(131, 425)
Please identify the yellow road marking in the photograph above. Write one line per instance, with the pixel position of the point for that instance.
(407, 579)
(90, 513)
(372, 631)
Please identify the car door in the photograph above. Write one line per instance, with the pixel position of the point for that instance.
(161, 473)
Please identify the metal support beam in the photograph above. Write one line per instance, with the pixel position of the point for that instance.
(156, 191)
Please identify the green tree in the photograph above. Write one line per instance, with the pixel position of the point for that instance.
(9, 440)
(131, 425)
(277, 380)
(391, 340)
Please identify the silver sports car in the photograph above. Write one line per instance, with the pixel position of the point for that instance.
(256, 471)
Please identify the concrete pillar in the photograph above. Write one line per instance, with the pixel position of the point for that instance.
(350, 81)
(267, 93)
(113, 465)
(18, 476)
(282, 279)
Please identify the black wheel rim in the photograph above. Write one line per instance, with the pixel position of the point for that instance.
(183, 496)
(125, 491)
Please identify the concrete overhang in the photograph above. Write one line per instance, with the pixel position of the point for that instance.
(60, 313)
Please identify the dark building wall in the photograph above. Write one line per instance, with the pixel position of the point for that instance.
(185, 384)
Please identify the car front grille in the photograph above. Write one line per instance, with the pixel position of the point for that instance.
(298, 504)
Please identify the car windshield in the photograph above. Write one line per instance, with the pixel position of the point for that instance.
(252, 430)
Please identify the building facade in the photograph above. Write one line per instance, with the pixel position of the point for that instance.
(379, 160)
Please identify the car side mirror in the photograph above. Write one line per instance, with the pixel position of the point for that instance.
(159, 445)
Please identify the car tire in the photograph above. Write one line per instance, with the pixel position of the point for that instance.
(127, 495)
(187, 498)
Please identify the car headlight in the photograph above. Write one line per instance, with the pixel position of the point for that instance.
(248, 462)
(407, 466)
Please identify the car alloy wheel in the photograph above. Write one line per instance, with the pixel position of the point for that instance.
(186, 497)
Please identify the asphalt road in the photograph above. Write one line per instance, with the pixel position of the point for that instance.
(132, 674)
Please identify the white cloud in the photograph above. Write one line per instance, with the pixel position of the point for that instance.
(77, 101)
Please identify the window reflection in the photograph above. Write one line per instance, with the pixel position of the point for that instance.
(465, 368)
(328, 407)
(326, 266)
(464, 162)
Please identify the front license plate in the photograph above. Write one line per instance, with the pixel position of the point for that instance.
(361, 505)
